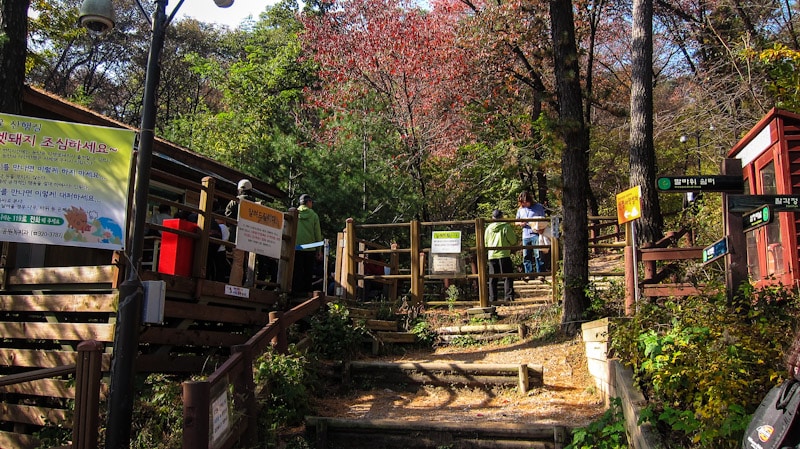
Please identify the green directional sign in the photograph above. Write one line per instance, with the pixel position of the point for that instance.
(715, 251)
(757, 218)
(721, 183)
(778, 203)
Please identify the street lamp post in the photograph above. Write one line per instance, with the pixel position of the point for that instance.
(97, 15)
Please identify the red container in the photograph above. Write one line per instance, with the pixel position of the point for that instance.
(177, 251)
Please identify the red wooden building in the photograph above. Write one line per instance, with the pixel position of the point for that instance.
(770, 155)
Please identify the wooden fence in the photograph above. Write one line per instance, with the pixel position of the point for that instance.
(222, 410)
(409, 253)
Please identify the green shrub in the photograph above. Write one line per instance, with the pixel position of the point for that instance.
(158, 420)
(705, 362)
(288, 382)
(334, 335)
(608, 432)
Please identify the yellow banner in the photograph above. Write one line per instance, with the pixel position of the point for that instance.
(63, 183)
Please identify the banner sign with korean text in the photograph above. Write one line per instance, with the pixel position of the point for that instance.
(63, 183)
(757, 218)
(259, 230)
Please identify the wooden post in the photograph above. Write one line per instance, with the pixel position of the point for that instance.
(87, 395)
(736, 259)
(196, 396)
(555, 255)
(481, 256)
(630, 282)
(417, 283)
(286, 264)
(523, 378)
(350, 271)
(394, 268)
(204, 222)
(280, 342)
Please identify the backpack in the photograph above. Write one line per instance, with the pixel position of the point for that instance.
(771, 424)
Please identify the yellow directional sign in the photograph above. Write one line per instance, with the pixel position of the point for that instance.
(629, 205)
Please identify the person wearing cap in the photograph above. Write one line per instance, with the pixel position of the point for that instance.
(499, 234)
(243, 191)
(308, 232)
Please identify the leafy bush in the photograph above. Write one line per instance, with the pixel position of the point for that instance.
(158, 421)
(334, 335)
(289, 381)
(705, 362)
(608, 432)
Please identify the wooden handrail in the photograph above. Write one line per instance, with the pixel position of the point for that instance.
(209, 400)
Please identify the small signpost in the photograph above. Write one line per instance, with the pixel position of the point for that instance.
(717, 183)
(629, 204)
(629, 208)
(757, 218)
(715, 250)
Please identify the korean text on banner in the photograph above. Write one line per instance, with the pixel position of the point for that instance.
(63, 183)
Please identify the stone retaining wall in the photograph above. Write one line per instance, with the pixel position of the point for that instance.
(615, 380)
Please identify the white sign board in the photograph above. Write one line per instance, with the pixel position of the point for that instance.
(446, 242)
(259, 230)
(220, 414)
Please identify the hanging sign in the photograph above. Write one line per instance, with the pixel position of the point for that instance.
(446, 242)
(779, 203)
(259, 229)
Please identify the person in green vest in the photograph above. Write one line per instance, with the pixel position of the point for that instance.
(500, 234)
(308, 233)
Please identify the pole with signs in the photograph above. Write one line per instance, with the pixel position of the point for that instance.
(736, 259)
(629, 208)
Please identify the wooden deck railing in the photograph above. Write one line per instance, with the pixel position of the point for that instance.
(221, 410)
(87, 370)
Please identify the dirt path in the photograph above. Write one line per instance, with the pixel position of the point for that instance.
(568, 397)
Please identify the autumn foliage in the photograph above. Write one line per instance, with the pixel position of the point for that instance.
(404, 62)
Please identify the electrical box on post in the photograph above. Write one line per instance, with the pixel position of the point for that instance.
(155, 293)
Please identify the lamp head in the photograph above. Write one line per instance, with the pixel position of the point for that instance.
(223, 3)
(97, 15)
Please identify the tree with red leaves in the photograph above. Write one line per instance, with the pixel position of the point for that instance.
(405, 64)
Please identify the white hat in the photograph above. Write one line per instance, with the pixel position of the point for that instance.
(245, 184)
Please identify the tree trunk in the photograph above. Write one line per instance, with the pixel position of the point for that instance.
(642, 157)
(574, 166)
(13, 47)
